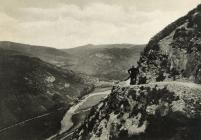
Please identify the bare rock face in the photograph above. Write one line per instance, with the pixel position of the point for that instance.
(175, 51)
(164, 111)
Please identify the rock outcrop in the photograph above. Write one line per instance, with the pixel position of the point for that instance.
(152, 111)
(167, 107)
(175, 51)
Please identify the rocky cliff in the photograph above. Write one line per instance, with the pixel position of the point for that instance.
(153, 111)
(167, 107)
(175, 51)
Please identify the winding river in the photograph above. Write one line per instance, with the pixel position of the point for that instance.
(88, 101)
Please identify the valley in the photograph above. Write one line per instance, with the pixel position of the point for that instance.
(89, 92)
(39, 75)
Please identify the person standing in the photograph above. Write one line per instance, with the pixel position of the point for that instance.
(133, 72)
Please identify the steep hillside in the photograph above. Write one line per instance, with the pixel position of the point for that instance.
(158, 111)
(175, 51)
(165, 110)
(30, 87)
(106, 62)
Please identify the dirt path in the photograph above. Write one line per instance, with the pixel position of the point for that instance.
(187, 84)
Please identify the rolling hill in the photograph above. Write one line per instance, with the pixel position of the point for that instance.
(47, 54)
(106, 62)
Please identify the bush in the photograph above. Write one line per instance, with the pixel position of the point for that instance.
(197, 19)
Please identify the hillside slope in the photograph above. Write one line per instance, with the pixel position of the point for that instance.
(106, 62)
(30, 87)
(166, 110)
(175, 51)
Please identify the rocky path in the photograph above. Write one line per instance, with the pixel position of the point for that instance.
(178, 83)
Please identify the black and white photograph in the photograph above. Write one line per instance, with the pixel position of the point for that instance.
(100, 70)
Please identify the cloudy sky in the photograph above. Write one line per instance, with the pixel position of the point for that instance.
(70, 23)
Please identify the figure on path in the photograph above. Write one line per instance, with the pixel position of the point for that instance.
(133, 72)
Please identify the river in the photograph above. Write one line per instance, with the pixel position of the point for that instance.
(89, 100)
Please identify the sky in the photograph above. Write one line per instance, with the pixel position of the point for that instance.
(72, 23)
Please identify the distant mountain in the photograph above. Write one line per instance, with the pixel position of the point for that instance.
(47, 54)
(30, 87)
(106, 62)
